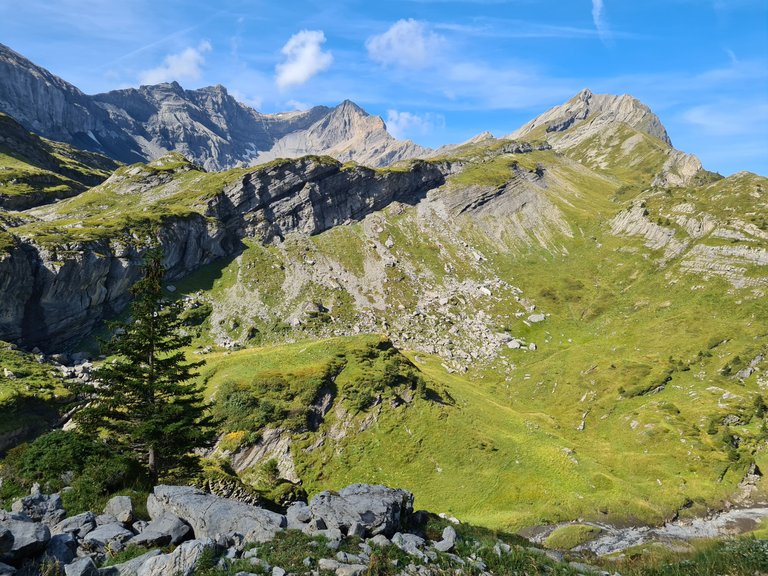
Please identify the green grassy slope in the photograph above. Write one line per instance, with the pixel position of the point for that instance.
(36, 171)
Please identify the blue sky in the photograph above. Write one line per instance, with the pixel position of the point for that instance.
(437, 71)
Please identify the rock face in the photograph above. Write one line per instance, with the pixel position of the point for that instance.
(207, 125)
(591, 112)
(52, 298)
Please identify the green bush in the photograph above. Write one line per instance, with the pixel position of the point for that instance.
(91, 468)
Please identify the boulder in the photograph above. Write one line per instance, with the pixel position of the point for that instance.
(448, 541)
(131, 567)
(180, 562)
(121, 507)
(40, 507)
(210, 515)
(377, 509)
(62, 548)
(298, 515)
(6, 540)
(104, 535)
(29, 538)
(351, 570)
(78, 525)
(410, 544)
(6, 570)
(167, 529)
(81, 567)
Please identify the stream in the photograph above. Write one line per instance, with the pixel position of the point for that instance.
(615, 539)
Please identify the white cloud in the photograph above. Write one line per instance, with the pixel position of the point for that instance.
(186, 65)
(404, 124)
(407, 43)
(303, 58)
(728, 118)
(599, 19)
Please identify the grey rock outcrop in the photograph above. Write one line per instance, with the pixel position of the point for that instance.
(378, 509)
(210, 516)
(104, 536)
(51, 297)
(78, 525)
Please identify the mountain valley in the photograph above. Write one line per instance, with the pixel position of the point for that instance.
(567, 323)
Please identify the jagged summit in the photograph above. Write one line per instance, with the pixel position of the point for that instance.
(207, 125)
(588, 112)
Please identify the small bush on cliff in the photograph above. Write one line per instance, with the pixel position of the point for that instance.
(144, 398)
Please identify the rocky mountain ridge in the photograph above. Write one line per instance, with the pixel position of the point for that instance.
(207, 125)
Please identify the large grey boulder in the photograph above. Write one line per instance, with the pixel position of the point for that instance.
(62, 548)
(104, 535)
(81, 567)
(180, 562)
(210, 515)
(29, 538)
(377, 509)
(6, 540)
(78, 525)
(121, 507)
(167, 529)
(40, 507)
(131, 567)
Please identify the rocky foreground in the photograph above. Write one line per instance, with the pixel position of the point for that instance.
(188, 527)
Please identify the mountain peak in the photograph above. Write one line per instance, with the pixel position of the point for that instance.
(586, 112)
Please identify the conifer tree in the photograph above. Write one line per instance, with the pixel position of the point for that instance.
(144, 398)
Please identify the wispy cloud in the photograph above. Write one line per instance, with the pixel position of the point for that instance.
(407, 124)
(304, 57)
(407, 44)
(728, 118)
(185, 65)
(598, 17)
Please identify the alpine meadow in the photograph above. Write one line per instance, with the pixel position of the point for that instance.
(296, 343)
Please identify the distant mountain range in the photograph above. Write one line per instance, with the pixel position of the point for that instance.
(207, 125)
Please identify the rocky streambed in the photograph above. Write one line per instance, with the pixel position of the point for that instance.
(612, 539)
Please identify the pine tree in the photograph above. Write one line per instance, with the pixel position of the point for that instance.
(144, 398)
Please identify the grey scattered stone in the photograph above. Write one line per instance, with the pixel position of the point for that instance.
(40, 507)
(410, 544)
(277, 571)
(210, 515)
(181, 561)
(351, 570)
(586, 568)
(380, 510)
(327, 564)
(121, 507)
(167, 529)
(535, 318)
(380, 540)
(131, 567)
(81, 567)
(104, 535)
(448, 541)
(78, 525)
